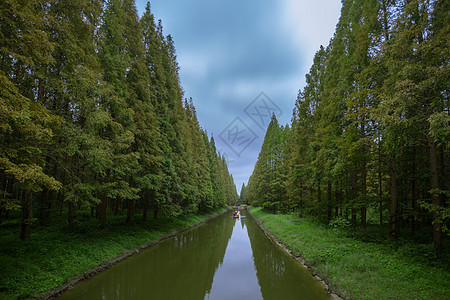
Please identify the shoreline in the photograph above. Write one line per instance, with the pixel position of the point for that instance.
(300, 259)
(353, 268)
(73, 282)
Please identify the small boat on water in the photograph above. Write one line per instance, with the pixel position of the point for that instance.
(236, 214)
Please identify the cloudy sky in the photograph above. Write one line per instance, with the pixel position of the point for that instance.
(241, 61)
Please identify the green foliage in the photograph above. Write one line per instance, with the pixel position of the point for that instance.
(267, 183)
(440, 128)
(339, 223)
(93, 116)
(356, 269)
(370, 128)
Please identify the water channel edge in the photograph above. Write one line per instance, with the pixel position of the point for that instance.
(71, 283)
(300, 259)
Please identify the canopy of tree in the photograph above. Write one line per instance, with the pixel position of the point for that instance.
(371, 129)
(92, 115)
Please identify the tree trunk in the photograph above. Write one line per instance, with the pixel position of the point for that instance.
(393, 209)
(346, 196)
(336, 200)
(364, 178)
(145, 205)
(71, 216)
(40, 95)
(354, 194)
(435, 199)
(364, 217)
(27, 216)
(116, 207)
(43, 208)
(60, 198)
(130, 211)
(364, 192)
(330, 208)
(300, 205)
(51, 198)
(5, 180)
(353, 216)
(380, 183)
(102, 210)
(413, 194)
(319, 199)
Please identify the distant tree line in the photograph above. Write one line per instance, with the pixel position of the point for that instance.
(92, 115)
(371, 128)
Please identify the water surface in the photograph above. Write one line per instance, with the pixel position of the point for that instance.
(224, 258)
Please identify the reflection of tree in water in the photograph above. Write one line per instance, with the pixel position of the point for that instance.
(280, 276)
(179, 268)
(194, 258)
(270, 266)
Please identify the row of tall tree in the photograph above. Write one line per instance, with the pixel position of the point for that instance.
(92, 114)
(371, 128)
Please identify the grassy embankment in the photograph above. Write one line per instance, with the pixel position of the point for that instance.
(357, 268)
(54, 256)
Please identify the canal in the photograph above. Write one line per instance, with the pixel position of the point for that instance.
(224, 258)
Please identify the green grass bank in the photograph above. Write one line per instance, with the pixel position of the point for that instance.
(54, 256)
(358, 269)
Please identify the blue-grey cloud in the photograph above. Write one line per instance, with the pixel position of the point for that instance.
(230, 51)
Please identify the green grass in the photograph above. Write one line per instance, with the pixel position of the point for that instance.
(358, 269)
(53, 256)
